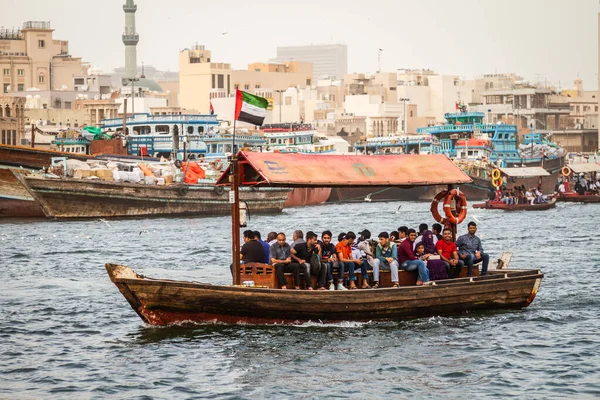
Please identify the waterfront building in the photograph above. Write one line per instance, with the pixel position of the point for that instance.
(328, 60)
(31, 57)
(526, 107)
(12, 120)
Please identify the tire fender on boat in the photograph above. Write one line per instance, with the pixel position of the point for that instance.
(459, 196)
(219, 190)
(434, 207)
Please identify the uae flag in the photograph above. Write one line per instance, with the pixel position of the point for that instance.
(250, 108)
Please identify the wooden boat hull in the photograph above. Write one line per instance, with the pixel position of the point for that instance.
(500, 205)
(307, 197)
(573, 197)
(15, 200)
(84, 198)
(165, 302)
(27, 157)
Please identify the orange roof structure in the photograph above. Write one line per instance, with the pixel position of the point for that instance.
(306, 170)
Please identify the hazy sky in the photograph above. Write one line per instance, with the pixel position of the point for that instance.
(552, 40)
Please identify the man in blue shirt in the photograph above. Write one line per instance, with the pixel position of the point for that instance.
(265, 246)
(471, 251)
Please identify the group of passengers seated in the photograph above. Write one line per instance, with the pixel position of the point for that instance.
(586, 186)
(521, 195)
(431, 253)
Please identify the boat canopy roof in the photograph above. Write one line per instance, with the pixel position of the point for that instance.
(584, 167)
(306, 170)
(525, 172)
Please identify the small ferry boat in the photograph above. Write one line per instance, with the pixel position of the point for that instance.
(164, 302)
(574, 171)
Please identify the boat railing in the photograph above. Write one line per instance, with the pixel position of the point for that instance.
(466, 127)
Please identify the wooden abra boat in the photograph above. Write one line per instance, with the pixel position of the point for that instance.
(574, 197)
(66, 198)
(163, 302)
(500, 205)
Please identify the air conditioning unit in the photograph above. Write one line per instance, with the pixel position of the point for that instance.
(25, 142)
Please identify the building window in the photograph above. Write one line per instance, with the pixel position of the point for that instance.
(246, 87)
(236, 86)
(4, 137)
(220, 81)
(200, 129)
(190, 129)
(6, 71)
(21, 72)
(41, 44)
(308, 82)
(68, 105)
(20, 87)
(596, 109)
(6, 86)
(41, 78)
(14, 139)
(257, 86)
(213, 81)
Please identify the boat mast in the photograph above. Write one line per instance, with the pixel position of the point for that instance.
(234, 198)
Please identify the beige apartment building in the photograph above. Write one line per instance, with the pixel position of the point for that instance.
(31, 58)
(12, 119)
(201, 79)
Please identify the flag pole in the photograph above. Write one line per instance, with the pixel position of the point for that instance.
(234, 199)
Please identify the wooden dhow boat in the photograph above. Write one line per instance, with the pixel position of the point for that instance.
(70, 198)
(500, 205)
(164, 302)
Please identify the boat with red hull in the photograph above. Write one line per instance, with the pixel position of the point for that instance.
(500, 205)
(165, 302)
(574, 197)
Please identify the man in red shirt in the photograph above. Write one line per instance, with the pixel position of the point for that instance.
(449, 254)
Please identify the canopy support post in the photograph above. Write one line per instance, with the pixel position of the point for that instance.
(234, 198)
(453, 227)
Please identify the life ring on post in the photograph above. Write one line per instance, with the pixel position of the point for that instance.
(496, 174)
(434, 207)
(459, 196)
(566, 171)
(497, 182)
(218, 164)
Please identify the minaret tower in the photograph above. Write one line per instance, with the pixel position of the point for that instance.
(130, 40)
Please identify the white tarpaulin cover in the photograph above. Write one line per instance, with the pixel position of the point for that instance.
(525, 172)
(584, 167)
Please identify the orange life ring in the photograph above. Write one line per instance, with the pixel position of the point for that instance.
(566, 171)
(455, 193)
(434, 207)
(218, 164)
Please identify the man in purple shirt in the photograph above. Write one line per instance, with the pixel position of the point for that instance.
(408, 261)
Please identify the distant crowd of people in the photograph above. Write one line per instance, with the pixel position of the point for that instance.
(431, 253)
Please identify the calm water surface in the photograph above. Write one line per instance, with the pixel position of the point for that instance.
(66, 331)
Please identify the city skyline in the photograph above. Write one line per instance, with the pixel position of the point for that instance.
(551, 41)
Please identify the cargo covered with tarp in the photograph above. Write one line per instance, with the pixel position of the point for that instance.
(306, 170)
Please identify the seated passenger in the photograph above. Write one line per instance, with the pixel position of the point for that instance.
(506, 197)
(329, 257)
(471, 251)
(408, 261)
(386, 258)
(449, 254)
(281, 258)
(302, 254)
(529, 196)
(344, 253)
(265, 245)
